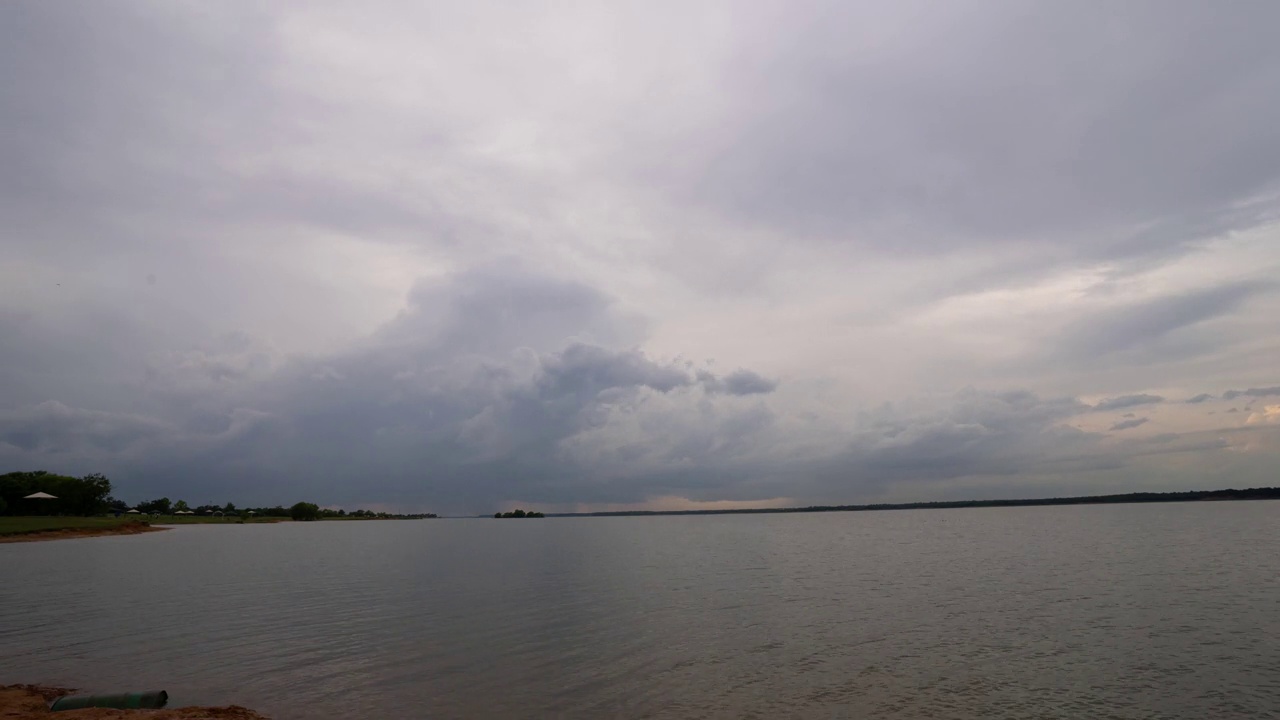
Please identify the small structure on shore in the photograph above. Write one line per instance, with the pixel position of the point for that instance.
(40, 496)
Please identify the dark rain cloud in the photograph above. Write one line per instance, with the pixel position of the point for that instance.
(465, 399)
(738, 382)
(1127, 401)
(976, 434)
(1144, 326)
(1252, 393)
(52, 428)
(1128, 424)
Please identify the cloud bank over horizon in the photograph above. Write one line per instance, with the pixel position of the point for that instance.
(458, 258)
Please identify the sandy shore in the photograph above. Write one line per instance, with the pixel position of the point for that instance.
(24, 702)
(64, 533)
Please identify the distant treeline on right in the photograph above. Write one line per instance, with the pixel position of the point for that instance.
(1267, 493)
(518, 513)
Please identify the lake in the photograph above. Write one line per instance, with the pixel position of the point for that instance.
(1130, 611)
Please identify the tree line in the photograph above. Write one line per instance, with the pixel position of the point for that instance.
(91, 495)
(1263, 493)
(518, 513)
(88, 495)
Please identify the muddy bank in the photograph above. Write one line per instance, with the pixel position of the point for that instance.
(64, 533)
(25, 702)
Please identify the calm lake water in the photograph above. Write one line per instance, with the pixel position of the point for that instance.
(1137, 611)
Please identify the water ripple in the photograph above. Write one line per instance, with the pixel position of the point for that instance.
(1101, 612)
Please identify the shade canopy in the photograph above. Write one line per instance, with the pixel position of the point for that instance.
(40, 496)
(132, 512)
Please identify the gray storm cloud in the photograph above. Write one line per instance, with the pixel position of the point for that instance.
(1251, 393)
(474, 393)
(448, 256)
(738, 382)
(1129, 424)
(1127, 401)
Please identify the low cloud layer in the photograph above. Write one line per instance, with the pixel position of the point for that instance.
(1127, 401)
(1128, 424)
(1251, 393)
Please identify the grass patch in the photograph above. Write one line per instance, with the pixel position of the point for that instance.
(25, 524)
(212, 520)
(21, 525)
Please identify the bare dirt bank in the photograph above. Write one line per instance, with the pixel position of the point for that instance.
(27, 702)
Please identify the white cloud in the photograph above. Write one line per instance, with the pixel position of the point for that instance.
(1268, 414)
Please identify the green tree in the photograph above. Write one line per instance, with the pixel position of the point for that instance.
(159, 506)
(96, 488)
(75, 496)
(518, 513)
(181, 505)
(305, 511)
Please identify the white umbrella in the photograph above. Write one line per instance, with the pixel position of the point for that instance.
(132, 512)
(40, 496)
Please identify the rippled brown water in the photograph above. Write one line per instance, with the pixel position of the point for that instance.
(1140, 611)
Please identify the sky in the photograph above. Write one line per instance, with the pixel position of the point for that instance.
(464, 257)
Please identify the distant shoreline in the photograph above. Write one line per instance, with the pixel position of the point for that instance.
(1267, 493)
(37, 528)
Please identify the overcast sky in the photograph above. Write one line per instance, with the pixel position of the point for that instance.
(466, 256)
